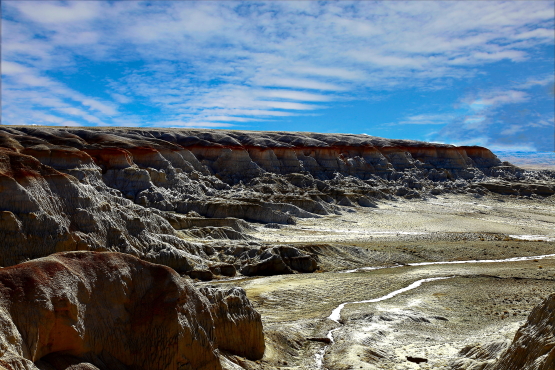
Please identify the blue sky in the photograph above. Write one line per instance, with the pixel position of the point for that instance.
(461, 72)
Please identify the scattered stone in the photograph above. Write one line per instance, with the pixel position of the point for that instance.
(325, 340)
(416, 360)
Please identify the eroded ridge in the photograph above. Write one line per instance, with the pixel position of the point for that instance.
(155, 193)
(87, 310)
(533, 346)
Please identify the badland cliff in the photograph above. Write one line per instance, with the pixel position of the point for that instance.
(137, 191)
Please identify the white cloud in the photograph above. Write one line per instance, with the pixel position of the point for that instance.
(121, 98)
(52, 119)
(511, 130)
(294, 95)
(428, 119)
(250, 112)
(477, 123)
(328, 72)
(516, 147)
(11, 68)
(503, 119)
(25, 92)
(95, 104)
(536, 81)
(539, 32)
(381, 60)
(46, 12)
(228, 59)
(477, 140)
(199, 124)
(229, 118)
(499, 98)
(298, 83)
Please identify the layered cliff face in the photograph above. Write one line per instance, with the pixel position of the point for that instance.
(44, 211)
(138, 191)
(86, 310)
(533, 347)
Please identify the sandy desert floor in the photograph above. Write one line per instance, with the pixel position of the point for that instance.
(447, 283)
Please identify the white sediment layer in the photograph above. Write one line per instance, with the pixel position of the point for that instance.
(512, 259)
(363, 232)
(546, 238)
(336, 314)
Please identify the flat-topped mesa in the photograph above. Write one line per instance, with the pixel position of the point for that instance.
(85, 310)
(240, 155)
(115, 189)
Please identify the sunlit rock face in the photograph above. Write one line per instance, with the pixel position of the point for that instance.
(86, 310)
(44, 211)
(126, 190)
(237, 326)
(533, 347)
(237, 156)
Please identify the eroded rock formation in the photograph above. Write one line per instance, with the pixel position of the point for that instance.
(533, 347)
(238, 327)
(143, 191)
(86, 310)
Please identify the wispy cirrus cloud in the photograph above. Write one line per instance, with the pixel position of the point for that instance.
(233, 63)
(496, 98)
(36, 97)
(503, 119)
(428, 119)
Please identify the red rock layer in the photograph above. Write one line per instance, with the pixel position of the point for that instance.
(234, 155)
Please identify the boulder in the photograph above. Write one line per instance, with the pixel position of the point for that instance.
(277, 260)
(224, 269)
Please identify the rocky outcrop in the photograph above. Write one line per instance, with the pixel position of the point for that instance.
(44, 211)
(134, 160)
(277, 260)
(238, 327)
(478, 356)
(522, 189)
(86, 310)
(533, 347)
(180, 222)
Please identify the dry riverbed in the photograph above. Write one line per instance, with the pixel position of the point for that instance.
(454, 323)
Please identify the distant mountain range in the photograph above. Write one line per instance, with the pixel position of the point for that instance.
(529, 160)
